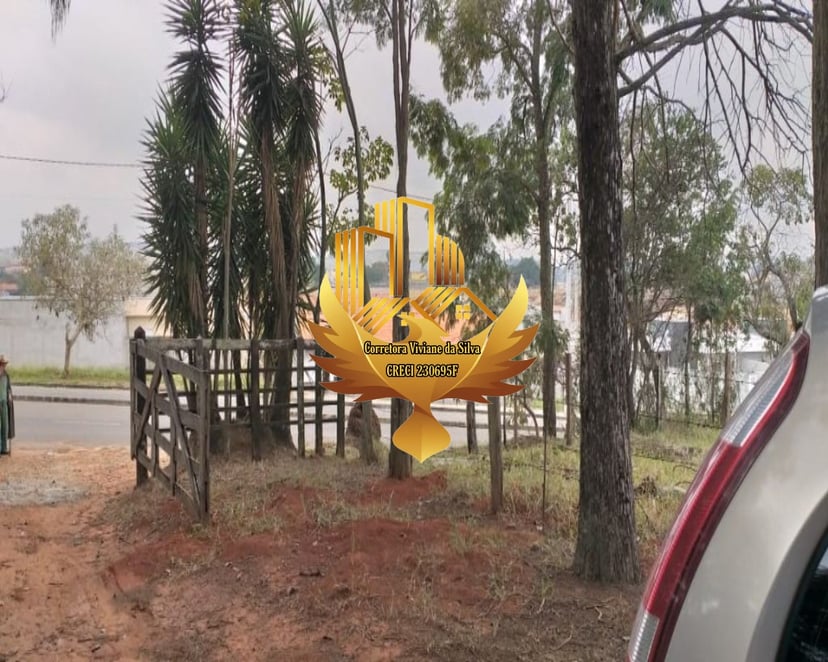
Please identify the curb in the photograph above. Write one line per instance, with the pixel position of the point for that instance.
(67, 399)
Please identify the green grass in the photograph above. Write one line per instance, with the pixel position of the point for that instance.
(660, 481)
(678, 436)
(52, 376)
(91, 377)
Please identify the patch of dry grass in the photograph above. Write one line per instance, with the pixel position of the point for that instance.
(242, 490)
(660, 485)
(137, 508)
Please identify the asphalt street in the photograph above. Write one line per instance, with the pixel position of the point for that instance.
(54, 420)
(48, 417)
(51, 424)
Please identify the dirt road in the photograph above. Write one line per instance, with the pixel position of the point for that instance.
(55, 599)
(313, 559)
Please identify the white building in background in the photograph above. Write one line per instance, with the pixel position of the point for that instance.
(748, 355)
(571, 318)
(33, 337)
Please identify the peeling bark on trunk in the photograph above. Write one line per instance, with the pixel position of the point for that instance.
(606, 547)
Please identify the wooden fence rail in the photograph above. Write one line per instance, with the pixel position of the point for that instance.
(205, 388)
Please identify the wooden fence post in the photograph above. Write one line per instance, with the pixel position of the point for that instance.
(471, 427)
(255, 409)
(568, 396)
(300, 395)
(495, 455)
(727, 387)
(340, 425)
(206, 415)
(139, 373)
(319, 394)
(657, 380)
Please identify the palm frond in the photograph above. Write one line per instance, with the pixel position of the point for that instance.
(167, 211)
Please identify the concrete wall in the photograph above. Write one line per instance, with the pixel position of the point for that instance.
(36, 338)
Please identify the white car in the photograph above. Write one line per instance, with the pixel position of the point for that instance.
(743, 572)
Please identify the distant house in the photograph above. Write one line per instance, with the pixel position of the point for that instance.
(669, 339)
(748, 355)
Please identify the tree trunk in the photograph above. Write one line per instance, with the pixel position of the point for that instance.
(569, 412)
(471, 427)
(399, 462)
(279, 277)
(495, 456)
(69, 341)
(547, 296)
(323, 215)
(342, 71)
(606, 548)
(631, 379)
(819, 133)
(200, 184)
(687, 349)
(547, 279)
(280, 418)
(725, 413)
(712, 407)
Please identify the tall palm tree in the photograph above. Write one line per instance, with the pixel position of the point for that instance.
(168, 209)
(195, 88)
(261, 89)
(304, 109)
(278, 74)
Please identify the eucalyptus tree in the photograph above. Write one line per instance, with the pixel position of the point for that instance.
(482, 199)
(779, 269)
(634, 42)
(679, 209)
(522, 40)
(399, 23)
(74, 276)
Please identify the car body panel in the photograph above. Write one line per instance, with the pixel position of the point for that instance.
(739, 600)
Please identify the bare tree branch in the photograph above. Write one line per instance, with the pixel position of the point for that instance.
(744, 79)
(671, 35)
(552, 11)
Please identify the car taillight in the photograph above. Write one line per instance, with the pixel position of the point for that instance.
(726, 464)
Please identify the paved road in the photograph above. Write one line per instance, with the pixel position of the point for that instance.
(48, 424)
(45, 424)
(47, 417)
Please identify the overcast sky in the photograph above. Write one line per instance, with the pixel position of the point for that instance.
(86, 97)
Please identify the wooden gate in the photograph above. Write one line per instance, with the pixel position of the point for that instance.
(170, 430)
